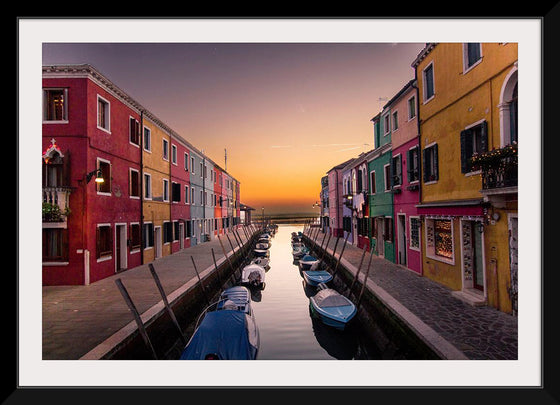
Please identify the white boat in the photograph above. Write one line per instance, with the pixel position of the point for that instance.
(264, 262)
(333, 308)
(262, 245)
(253, 275)
(307, 261)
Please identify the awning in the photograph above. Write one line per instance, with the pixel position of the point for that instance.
(452, 208)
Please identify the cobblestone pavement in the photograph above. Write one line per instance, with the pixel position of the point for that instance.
(479, 332)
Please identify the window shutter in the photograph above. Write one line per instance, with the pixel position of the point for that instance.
(436, 165)
(484, 137)
(409, 165)
(424, 166)
(466, 150)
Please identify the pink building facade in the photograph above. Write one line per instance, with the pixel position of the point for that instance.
(335, 199)
(405, 168)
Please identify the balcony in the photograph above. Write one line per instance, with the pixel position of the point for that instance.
(499, 173)
(55, 206)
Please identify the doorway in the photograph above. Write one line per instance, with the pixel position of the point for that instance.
(120, 248)
(401, 228)
(157, 242)
(380, 226)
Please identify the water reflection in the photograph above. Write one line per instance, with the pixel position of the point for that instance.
(288, 329)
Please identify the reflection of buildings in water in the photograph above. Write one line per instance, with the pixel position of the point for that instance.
(342, 345)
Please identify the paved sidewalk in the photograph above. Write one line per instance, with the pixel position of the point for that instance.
(478, 332)
(76, 319)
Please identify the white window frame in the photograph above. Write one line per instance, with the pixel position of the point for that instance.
(424, 99)
(107, 114)
(45, 98)
(387, 185)
(186, 156)
(413, 98)
(147, 180)
(387, 125)
(419, 248)
(395, 120)
(430, 249)
(174, 154)
(187, 194)
(147, 131)
(165, 183)
(374, 186)
(108, 257)
(134, 197)
(165, 149)
(110, 173)
(466, 67)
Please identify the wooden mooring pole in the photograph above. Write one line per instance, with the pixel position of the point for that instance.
(365, 281)
(357, 272)
(341, 253)
(137, 318)
(200, 282)
(166, 303)
(216, 266)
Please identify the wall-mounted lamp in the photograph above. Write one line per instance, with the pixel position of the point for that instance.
(98, 176)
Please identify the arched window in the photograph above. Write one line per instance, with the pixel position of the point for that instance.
(508, 109)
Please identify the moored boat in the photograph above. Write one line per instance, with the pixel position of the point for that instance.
(333, 308)
(262, 261)
(228, 330)
(307, 261)
(314, 277)
(253, 275)
(261, 252)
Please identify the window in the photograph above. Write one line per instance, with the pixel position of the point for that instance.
(147, 139)
(201, 198)
(474, 140)
(192, 195)
(165, 149)
(201, 170)
(134, 183)
(388, 231)
(104, 242)
(439, 239)
(430, 163)
(472, 55)
(105, 168)
(192, 164)
(174, 154)
(395, 120)
(134, 131)
(186, 194)
(103, 114)
(415, 233)
(428, 77)
(413, 165)
(372, 182)
(165, 190)
(55, 105)
(55, 245)
(188, 232)
(186, 155)
(513, 116)
(387, 171)
(175, 192)
(167, 232)
(397, 170)
(175, 230)
(148, 236)
(135, 237)
(147, 186)
(411, 107)
(386, 124)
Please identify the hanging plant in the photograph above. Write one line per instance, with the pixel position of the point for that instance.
(53, 213)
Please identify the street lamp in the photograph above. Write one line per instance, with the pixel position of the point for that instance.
(98, 176)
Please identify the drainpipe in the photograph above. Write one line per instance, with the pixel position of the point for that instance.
(141, 186)
(415, 85)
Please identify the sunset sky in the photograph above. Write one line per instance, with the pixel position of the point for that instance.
(287, 99)
(285, 112)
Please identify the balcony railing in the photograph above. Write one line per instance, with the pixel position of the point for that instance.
(498, 167)
(55, 204)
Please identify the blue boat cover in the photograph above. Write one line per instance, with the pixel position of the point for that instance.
(308, 258)
(223, 333)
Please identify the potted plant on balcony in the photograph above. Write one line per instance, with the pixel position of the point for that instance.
(53, 213)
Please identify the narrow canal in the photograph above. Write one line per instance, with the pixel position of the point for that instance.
(287, 329)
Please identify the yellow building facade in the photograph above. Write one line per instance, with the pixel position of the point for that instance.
(468, 111)
(156, 189)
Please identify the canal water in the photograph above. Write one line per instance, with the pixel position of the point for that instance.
(287, 329)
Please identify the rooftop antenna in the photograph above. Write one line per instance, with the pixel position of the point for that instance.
(379, 100)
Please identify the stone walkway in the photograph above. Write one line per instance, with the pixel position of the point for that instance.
(478, 332)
